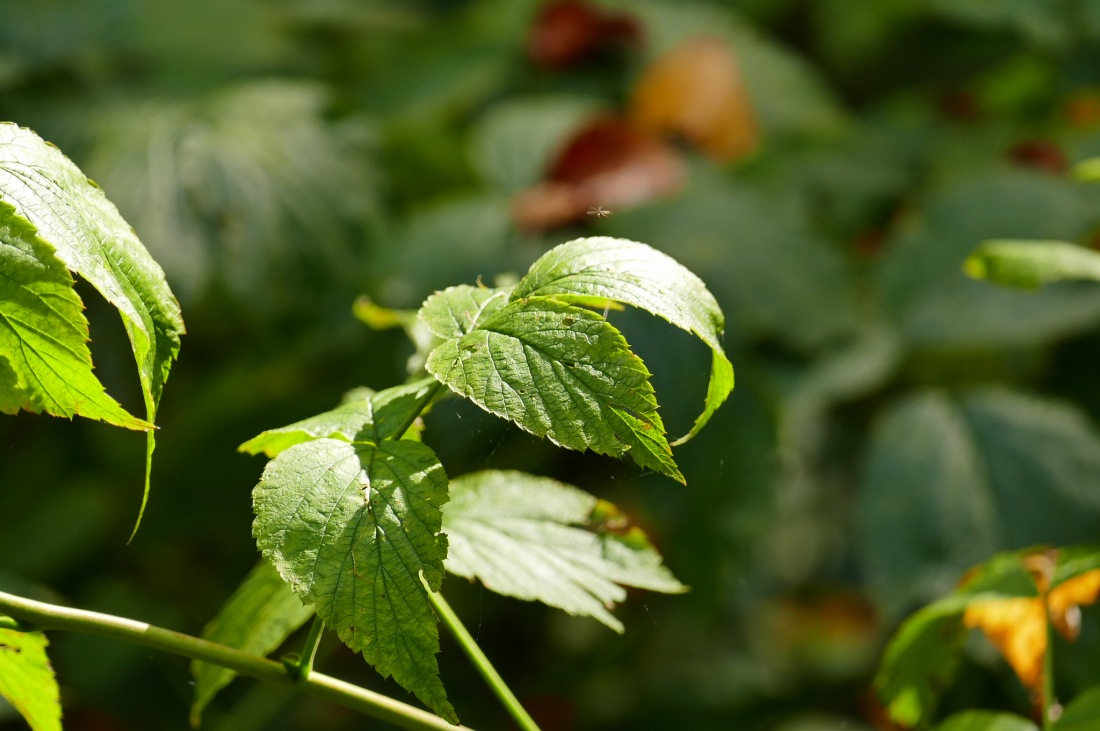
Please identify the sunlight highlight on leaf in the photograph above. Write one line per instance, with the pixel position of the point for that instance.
(538, 539)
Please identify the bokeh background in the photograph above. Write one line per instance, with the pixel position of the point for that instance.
(824, 165)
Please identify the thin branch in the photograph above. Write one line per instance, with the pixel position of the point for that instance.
(480, 661)
(41, 616)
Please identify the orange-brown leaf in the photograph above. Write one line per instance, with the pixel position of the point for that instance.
(696, 91)
(1018, 629)
(1065, 600)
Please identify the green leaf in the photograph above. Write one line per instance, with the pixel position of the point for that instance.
(377, 317)
(1074, 561)
(593, 270)
(367, 415)
(45, 364)
(556, 370)
(1031, 264)
(73, 215)
(257, 618)
(1088, 170)
(537, 539)
(922, 280)
(949, 480)
(514, 143)
(226, 187)
(986, 721)
(925, 512)
(1082, 714)
(923, 654)
(27, 680)
(351, 528)
(775, 275)
(92, 239)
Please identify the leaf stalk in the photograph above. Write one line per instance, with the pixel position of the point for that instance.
(480, 661)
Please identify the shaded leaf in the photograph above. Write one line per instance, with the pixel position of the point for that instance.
(557, 371)
(45, 364)
(594, 270)
(243, 189)
(1082, 714)
(27, 679)
(515, 142)
(351, 528)
(789, 96)
(537, 539)
(257, 618)
(949, 480)
(1031, 264)
(923, 285)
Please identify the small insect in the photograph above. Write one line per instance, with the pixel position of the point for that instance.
(599, 212)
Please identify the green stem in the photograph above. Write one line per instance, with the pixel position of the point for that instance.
(42, 616)
(304, 666)
(1048, 671)
(429, 397)
(480, 661)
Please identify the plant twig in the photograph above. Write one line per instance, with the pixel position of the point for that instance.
(480, 661)
(44, 616)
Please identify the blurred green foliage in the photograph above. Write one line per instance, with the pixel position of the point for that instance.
(894, 421)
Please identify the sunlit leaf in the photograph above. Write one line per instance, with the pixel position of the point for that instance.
(351, 528)
(594, 270)
(257, 618)
(368, 415)
(1031, 264)
(27, 679)
(537, 539)
(93, 240)
(45, 364)
(986, 721)
(558, 371)
(1088, 170)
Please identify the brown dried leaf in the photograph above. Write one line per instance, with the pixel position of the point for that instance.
(609, 163)
(569, 32)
